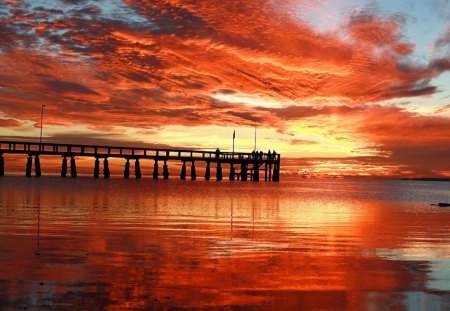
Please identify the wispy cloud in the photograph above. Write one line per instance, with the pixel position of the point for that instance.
(152, 64)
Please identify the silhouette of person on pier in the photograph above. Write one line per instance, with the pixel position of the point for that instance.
(217, 153)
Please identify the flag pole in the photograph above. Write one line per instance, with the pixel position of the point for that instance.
(255, 137)
(234, 136)
(232, 174)
(40, 136)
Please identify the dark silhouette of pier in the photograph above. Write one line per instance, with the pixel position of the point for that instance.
(243, 166)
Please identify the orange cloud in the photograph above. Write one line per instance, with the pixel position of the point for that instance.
(171, 63)
(408, 144)
(9, 123)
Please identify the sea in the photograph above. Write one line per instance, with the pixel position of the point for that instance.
(300, 244)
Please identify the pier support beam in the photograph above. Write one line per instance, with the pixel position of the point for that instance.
(29, 165)
(64, 167)
(276, 174)
(193, 171)
(219, 175)
(231, 172)
(155, 170)
(270, 171)
(73, 167)
(106, 173)
(207, 171)
(96, 168)
(276, 170)
(244, 171)
(238, 166)
(165, 170)
(256, 171)
(126, 171)
(265, 171)
(137, 169)
(2, 165)
(183, 171)
(37, 166)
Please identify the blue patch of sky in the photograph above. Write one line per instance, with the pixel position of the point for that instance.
(442, 83)
(114, 10)
(430, 102)
(5, 12)
(424, 21)
(425, 24)
(47, 11)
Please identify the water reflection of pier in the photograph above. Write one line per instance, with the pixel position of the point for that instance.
(242, 166)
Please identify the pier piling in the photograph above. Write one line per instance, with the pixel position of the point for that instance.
(96, 168)
(208, 171)
(243, 171)
(265, 171)
(276, 171)
(73, 167)
(193, 171)
(270, 171)
(231, 176)
(64, 167)
(126, 171)
(2, 165)
(37, 166)
(106, 172)
(137, 169)
(256, 171)
(155, 170)
(29, 166)
(219, 175)
(242, 165)
(183, 171)
(165, 170)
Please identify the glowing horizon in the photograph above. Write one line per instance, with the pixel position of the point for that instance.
(354, 88)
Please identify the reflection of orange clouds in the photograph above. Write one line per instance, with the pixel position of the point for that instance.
(204, 250)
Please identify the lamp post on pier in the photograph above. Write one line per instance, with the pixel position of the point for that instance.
(254, 148)
(40, 136)
(234, 136)
(232, 173)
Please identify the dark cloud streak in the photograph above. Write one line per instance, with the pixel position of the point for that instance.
(158, 63)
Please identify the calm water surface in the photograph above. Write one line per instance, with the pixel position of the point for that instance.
(85, 244)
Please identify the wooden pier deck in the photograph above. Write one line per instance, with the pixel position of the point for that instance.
(243, 166)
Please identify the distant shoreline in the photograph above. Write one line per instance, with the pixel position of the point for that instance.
(428, 179)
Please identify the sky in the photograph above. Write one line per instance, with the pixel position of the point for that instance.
(337, 87)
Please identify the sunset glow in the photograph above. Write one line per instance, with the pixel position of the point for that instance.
(355, 88)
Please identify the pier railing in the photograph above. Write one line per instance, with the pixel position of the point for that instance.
(124, 152)
(248, 162)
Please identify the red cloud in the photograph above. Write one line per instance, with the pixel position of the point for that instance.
(371, 32)
(200, 48)
(166, 62)
(9, 123)
(414, 143)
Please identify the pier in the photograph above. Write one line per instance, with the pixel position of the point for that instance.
(242, 166)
